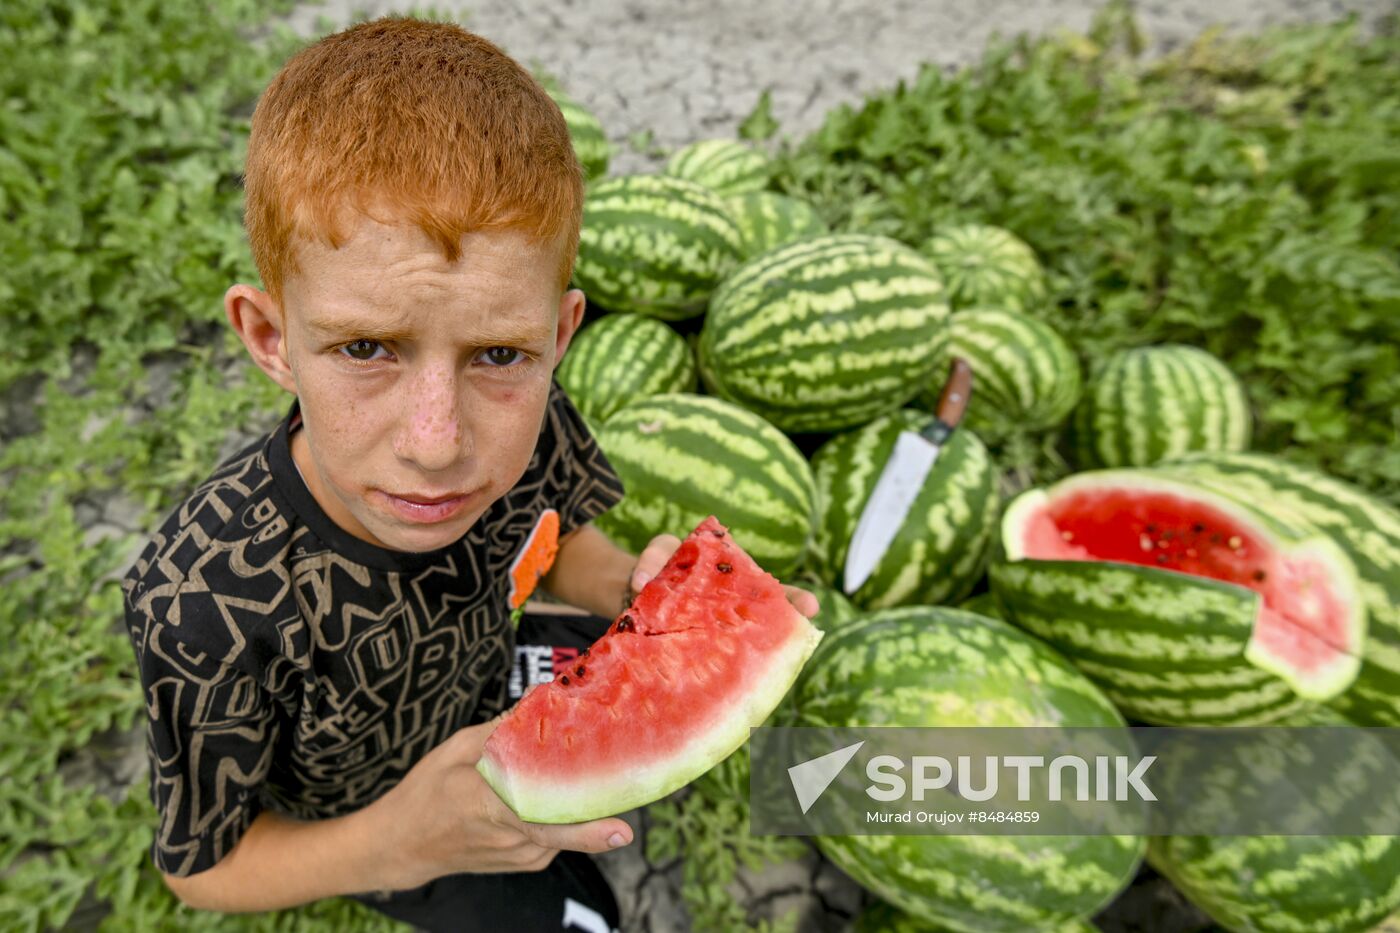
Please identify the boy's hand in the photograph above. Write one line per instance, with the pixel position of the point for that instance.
(660, 549)
(443, 818)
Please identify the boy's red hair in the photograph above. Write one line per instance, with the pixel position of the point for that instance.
(425, 121)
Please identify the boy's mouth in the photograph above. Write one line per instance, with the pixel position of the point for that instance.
(426, 509)
(427, 500)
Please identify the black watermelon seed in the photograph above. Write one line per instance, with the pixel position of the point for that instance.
(564, 680)
(624, 624)
(1259, 576)
(578, 671)
(1151, 529)
(1197, 527)
(717, 533)
(724, 568)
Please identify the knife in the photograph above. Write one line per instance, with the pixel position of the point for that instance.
(903, 478)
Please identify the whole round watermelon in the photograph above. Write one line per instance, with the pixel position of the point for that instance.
(941, 549)
(1024, 374)
(682, 457)
(622, 357)
(987, 267)
(768, 220)
(836, 610)
(654, 245)
(824, 334)
(930, 666)
(591, 145)
(886, 918)
(1283, 884)
(725, 166)
(1152, 403)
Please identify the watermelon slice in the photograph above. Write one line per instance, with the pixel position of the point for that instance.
(1307, 624)
(706, 651)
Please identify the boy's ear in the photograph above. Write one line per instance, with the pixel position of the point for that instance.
(571, 308)
(258, 322)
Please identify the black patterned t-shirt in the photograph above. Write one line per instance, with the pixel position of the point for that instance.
(289, 665)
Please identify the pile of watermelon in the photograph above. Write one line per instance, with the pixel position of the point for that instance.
(742, 359)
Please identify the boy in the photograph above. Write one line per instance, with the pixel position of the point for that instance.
(322, 628)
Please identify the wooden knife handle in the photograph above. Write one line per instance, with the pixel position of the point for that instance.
(957, 392)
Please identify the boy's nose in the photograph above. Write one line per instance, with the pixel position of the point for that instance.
(432, 434)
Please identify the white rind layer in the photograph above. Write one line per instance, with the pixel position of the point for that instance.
(589, 799)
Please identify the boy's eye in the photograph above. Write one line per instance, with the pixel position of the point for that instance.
(362, 350)
(502, 357)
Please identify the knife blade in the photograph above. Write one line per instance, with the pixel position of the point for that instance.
(903, 477)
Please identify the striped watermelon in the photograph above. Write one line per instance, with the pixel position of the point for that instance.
(591, 145)
(926, 666)
(1289, 884)
(768, 220)
(1185, 606)
(886, 918)
(1365, 528)
(1024, 374)
(940, 551)
(836, 610)
(725, 166)
(654, 245)
(984, 604)
(622, 357)
(682, 457)
(824, 334)
(1152, 403)
(987, 267)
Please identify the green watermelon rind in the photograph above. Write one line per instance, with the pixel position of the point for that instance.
(865, 673)
(590, 142)
(682, 457)
(941, 550)
(654, 245)
(768, 220)
(640, 785)
(824, 334)
(1149, 404)
(1156, 665)
(1024, 375)
(726, 166)
(1288, 884)
(987, 266)
(621, 358)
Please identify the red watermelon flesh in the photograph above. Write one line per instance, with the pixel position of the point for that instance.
(1309, 628)
(706, 651)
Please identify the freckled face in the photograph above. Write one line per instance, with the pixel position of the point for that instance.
(419, 379)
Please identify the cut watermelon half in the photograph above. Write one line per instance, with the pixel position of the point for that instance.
(1309, 626)
(706, 651)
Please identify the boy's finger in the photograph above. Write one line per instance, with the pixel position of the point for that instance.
(653, 558)
(802, 600)
(594, 836)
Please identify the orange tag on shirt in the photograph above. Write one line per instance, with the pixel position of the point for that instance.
(535, 558)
